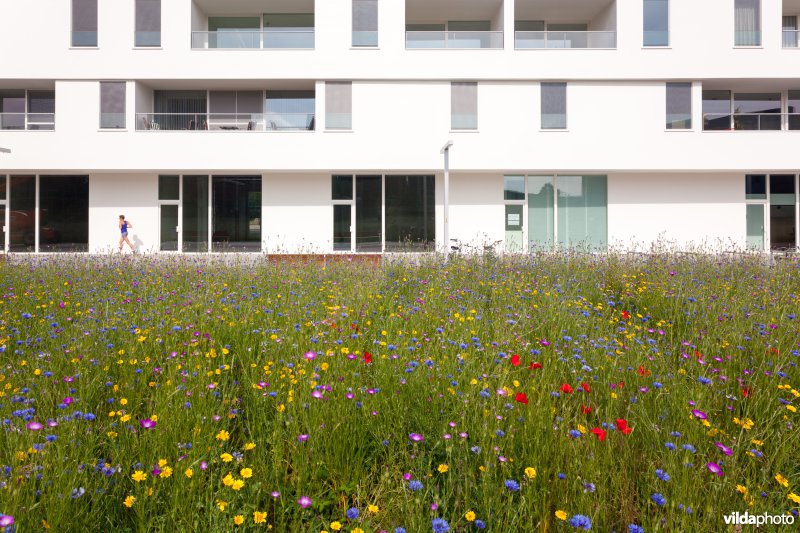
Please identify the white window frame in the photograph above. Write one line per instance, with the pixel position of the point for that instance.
(763, 202)
(179, 203)
(352, 204)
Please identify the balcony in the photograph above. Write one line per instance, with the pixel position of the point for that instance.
(565, 24)
(225, 122)
(453, 24)
(751, 122)
(791, 16)
(776, 110)
(27, 110)
(253, 25)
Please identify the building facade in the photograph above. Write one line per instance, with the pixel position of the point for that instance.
(317, 126)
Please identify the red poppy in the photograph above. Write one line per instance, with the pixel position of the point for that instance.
(585, 386)
(621, 384)
(535, 366)
(747, 392)
(601, 433)
(622, 425)
(367, 358)
(515, 360)
(521, 397)
(643, 371)
(626, 315)
(566, 388)
(586, 410)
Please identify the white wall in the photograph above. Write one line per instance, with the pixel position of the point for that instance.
(476, 208)
(685, 211)
(132, 195)
(199, 19)
(606, 20)
(297, 216)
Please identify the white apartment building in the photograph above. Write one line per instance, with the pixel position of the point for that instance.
(317, 126)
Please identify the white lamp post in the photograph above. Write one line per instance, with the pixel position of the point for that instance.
(446, 151)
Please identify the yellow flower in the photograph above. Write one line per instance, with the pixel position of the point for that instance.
(470, 516)
(222, 505)
(281, 408)
(442, 468)
(792, 408)
(249, 446)
(357, 530)
(188, 472)
(758, 442)
(129, 501)
(336, 526)
(228, 480)
(123, 401)
(246, 473)
(139, 476)
(582, 429)
(223, 435)
(794, 497)
(238, 520)
(167, 472)
(162, 463)
(373, 509)
(259, 517)
(226, 457)
(782, 480)
(561, 515)
(238, 484)
(742, 489)
(530, 472)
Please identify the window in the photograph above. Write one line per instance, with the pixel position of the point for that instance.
(234, 32)
(365, 23)
(410, 218)
(342, 195)
(169, 196)
(12, 109)
(747, 22)
(148, 23)
(757, 111)
(290, 110)
(338, 105)
(235, 110)
(568, 210)
(771, 211)
(64, 213)
(679, 106)
(84, 23)
(554, 106)
(288, 30)
(112, 104)
(716, 110)
(464, 105)
(793, 109)
(40, 106)
(656, 23)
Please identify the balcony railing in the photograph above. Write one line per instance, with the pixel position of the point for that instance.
(454, 39)
(225, 122)
(254, 40)
(791, 38)
(751, 122)
(28, 121)
(565, 39)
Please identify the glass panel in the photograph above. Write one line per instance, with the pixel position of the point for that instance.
(582, 212)
(148, 23)
(656, 22)
(747, 22)
(782, 212)
(290, 110)
(540, 212)
(755, 226)
(365, 23)
(528, 25)
(514, 187)
(41, 110)
(22, 208)
(2, 228)
(755, 186)
(513, 225)
(338, 105)
(12, 109)
(169, 228)
(236, 214)
(342, 228)
(781, 189)
(195, 214)
(679, 106)
(84, 22)
(793, 108)
(716, 110)
(554, 105)
(368, 214)
(64, 214)
(342, 188)
(289, 20)
(410, 218)
(180, 110)
(469, 25)
(757, 111)
(168, 188)
(112, 104)
(463, 105)
(2, 189)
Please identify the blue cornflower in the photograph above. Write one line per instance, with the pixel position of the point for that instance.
(399, 530)
(440, 525)
(574, 433)
(663, 476)
(415, 485)
(669, 445)
(562, 475)
(580, 521)
(659, 499)
(512, 485)
(689, 448)
(352, 513)
(480, 524)
(633, 528)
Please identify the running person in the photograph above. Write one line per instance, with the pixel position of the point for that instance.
(123, 228)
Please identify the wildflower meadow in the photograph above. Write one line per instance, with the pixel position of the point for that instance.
(558, 392)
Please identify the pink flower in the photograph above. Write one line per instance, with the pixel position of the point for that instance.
(714, 468)
(304, 502)
(146, 423)
(34, 426)
(310, 356)
(725, 449)
(699, 414)
(67, 401)
(416, 437)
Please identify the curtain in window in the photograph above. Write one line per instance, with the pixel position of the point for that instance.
(148, 23)
(365, 22)
(679, 106)
(747, 14)
(464, 105)
(338, 105)
(790, 31)
(554, 106)
(84, 22)
(180, 110)
(112, 104)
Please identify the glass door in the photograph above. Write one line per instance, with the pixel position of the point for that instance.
(755, 227)
(782, 220)
(3, 222)
(369, 210)
(169, 227)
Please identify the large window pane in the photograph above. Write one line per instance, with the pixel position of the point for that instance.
(41, 110)
(148, 23)
(716, 110)
(582, 212)
(755, 186)
(236, 213)
(84, 23)
(782, 222)
(180, 110)
(342, 188)
(656, 22)
(234, 32)
(12, 109)
(22, 214)
(554, 106)
(168, 188)
(755, 226)
(290, 110)
(368, 214)
(365, 22)
(513, 187)
(679, 106)
(410, 217)
(338, 105)
(112, 104)
(513, 227)
(64, 214)
(168, 226)
(793, 108)
(195, 213)
(464, 105)
(2, 227)
(747, 22)
(540, 212)
(757, 111)
(342, 227)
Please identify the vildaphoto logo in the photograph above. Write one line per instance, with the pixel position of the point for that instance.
(744, 519)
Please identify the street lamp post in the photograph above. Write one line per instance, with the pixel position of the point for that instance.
(446, 151)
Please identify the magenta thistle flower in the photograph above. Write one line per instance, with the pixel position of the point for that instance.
(416, 437)
(203, 465)
(725, 449)
(6, 520)
(304, 502)
(34, 426)
(310, 355)
(714, 468)
(316, 394)
(146, 423)
(67, 401)
(302, 438)
(699, 414)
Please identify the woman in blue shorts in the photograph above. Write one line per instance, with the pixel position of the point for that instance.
(123, 228)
